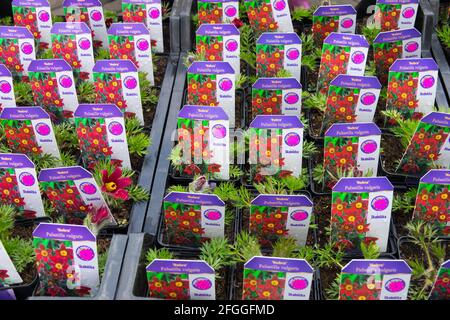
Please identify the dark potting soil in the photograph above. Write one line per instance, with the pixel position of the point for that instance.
(25, 231)
(392, 152)
(327, 277)
(238, 282)
(149, 110)
(400, 220)
(322, 213)
(161, 65)
(315, 123)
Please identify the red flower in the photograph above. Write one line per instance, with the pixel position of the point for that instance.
(237, 22)
(4, 274)
(115, 185)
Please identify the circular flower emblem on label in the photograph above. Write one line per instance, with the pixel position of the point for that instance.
(44, 16)
(427, 81)
(231, 45)
(142, 44)
(299, 215)
(225, 84)
(411, 46)
(42, 128)
(358, 57)
(88, 188)
(85, 253)
(84, 43)
(347, 23)
(219, 131)
(395, 285)
(380, 203)
(27, 48)
(369, 146)
(293, 54)
(292, 139)
(298, 283)
(408, 12)
(368, 98)
(230, 11)
(212, 214)
(279, 5)
(153, 13)
(96, 15)
(130, 82)
(291, 98)
(5, 86)
(202, 283)
(27, 179)
(115, 128)
(65, 81)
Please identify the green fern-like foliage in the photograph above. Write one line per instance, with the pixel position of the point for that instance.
(138, 140)
(102, 259)
(370, 251)
(370, 32)
(67, 159)
(284, 248)
(166, 10)
(101, 54)
(177, 188)
(405, 128)
(192, 56)
(56, 18)
(6, 21)
(317, 101)
(300, 14)
(371, 69)
(217, 253)
(332, 292)
(307, 253)
(23, 93)
(245, 247)
(226, 191)
(330, 256)
(241, 80)
(248, 45)
(404, 203)
(153, 254)
(44, 54)
(20, 251)
(283, 73)
(86, 92)
(7, 215)
(44, 161)
(444, 35)
(309, 149)
(66, 136)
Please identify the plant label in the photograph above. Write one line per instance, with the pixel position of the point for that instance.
(73, 43)
(213, 84)
(101, 134)
(220, 42)
(8, 272)
(441, 287)
(276, 96)
(66, 260)
(351, 99)
(150, 13)
(73, 193)
(361, 212)
(395, 14)
(53, 87)
(267, 278)
(131, 41)
(217, 11)
(351, 150)
(35, 15)
(375, 280)
(412, 87)
(341, 54)
(193, 217)
(19, 187)
(392, 45)
(429, 147)
(29, 130)
(203, 134)
(7, 97)
(16, 49)
(91, 13)
(181, 279)
(432, 201)
(276, 146)
(276, 216)
(278, 52)
(328, 19)
(117, 82)
(269, 15)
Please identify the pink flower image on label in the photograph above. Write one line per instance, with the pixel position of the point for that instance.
(369, 146)
(358, 57)
(291, 98)
(395, 285)
(408, 13)
(65, 81)
(368, 98)
(153, 13)
(292, 139)
(142, 45)
(96, 15)
(27, 48)
(380, 203)
(231, 45)
(130, 82)
(88, 188)
(5, 86)
(212, 214)
(219, 131)
(293, 54)
(43, 129)
(115, 128)
(202, 283)
(26, 179)
(230, 11)
(44, 16)
(299, 215)
(411, 46)
(298, 283)
(427, 81)
(226, 84)
(85, 253)
(347, 23)
(84, 43)
(279, 5)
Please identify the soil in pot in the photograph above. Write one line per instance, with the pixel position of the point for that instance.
(392, 152)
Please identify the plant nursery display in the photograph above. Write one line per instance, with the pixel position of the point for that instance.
(328, 19)
(394, 15)
(220, 11)
(266, 15)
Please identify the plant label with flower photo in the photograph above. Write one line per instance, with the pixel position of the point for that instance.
(429, 146)
(432, 201)
(351, 99)
(117, 82)
(19, 185)
(74, 194)
(101, 134)
(395, 14)
(351, 150)
(35, 15)
(91, 13)
(272, 278)
(203, 134)
(278, 52)
(17, 49)
(213, 84)
(217, 11)
(374, 280)
(7, 97)
(29, 130)
(276, 147)
(53, 87)
(412, 87)
(132, 41)
(333, 18)
(441, 286)
(220, 42)
(181, 279)
(341, 54)
(276, 96)
(361, 212)
(73, 43)
(66, 260)
(193, 218)
(8, 273)
(392, 45)
(275, 216)
(269, 15)
(149, 12)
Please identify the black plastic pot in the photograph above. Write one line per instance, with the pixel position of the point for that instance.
(443, 90)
